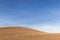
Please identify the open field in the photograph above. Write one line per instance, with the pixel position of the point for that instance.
(21, 33)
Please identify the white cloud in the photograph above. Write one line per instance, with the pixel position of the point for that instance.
(50, 28)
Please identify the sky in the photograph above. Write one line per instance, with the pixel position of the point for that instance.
(41, 15)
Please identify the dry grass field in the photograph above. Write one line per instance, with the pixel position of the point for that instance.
(21, 33)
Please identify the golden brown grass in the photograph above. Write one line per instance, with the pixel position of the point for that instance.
(21, 33)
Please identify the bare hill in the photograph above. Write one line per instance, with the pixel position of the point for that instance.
(22, 33)
(19, 30)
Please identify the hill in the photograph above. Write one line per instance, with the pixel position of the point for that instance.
(19, 30)
(22, 33)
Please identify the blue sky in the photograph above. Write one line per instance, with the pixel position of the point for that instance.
(37, 14)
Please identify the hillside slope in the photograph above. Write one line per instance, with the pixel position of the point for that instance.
(21, 33)
(19, 30)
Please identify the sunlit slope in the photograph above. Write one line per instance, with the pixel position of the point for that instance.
(22, 33)
(19, 30)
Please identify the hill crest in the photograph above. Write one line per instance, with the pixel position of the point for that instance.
(20, 30)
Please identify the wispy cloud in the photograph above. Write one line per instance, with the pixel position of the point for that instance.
(47, 27)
